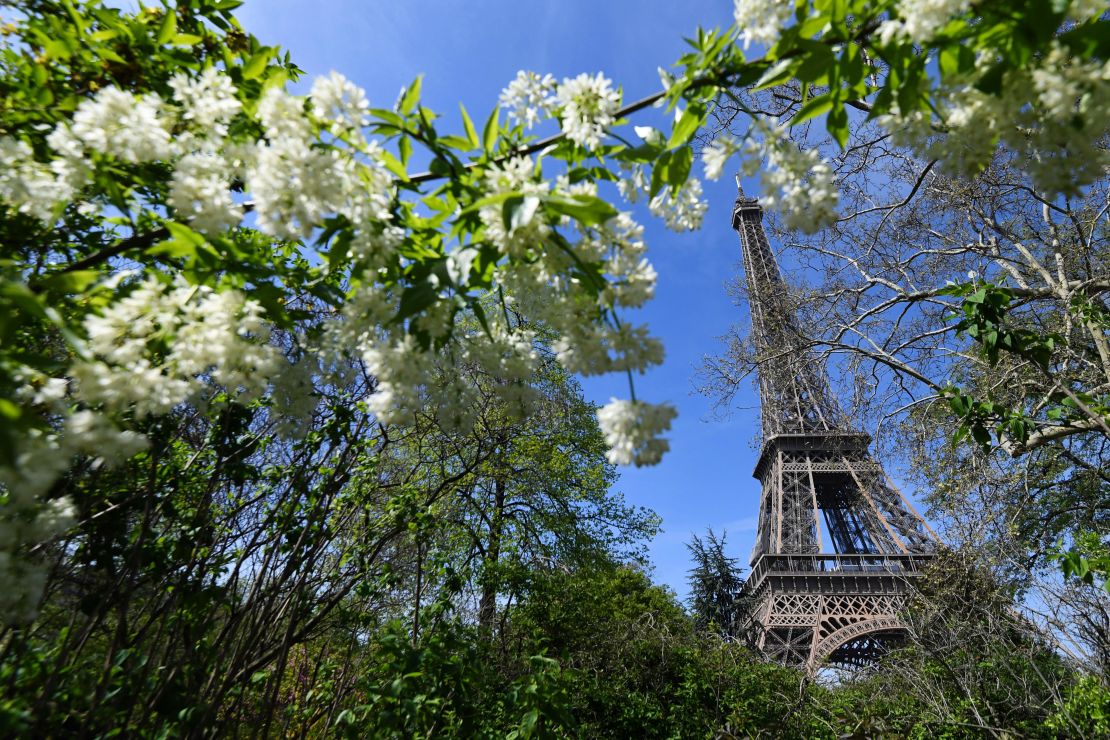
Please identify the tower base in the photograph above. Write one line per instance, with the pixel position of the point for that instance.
(817, 610)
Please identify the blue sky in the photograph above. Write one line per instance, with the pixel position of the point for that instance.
(468, 51)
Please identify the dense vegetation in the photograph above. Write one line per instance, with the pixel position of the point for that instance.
(290, 438)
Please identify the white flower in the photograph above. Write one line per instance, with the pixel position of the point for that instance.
(798, 183)
(594, 349)
(401, 370)
(52, 392)
(219, 335)
(632, 429)
(681, 211)
(201, 194)
(921, 20)
(1084, 10)
(588, 106)
(528, 98)
(717, 154)
(761, 21)
(340, 101)
(93, 434)
(208, 101)
(634, 183)
(26, 519)
(282, 115)
(124, 125)
(71, 167)
(528, 229)
(295, 186)
(27, 185)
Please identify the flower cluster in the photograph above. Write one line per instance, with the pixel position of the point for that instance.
(796, 182)
(28, 519)
(632, 430)
(340, 102)
(208, 102)
(199, 193)
(120, 124)
(681, 209)
(587, 105)
(717, 154)
(920, 20)
(526, 229)
(1054, 113)
(529, 98)
(153, 348)
(761, 21)
(32, 188)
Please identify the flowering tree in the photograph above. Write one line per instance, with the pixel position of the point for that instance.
(169, 208)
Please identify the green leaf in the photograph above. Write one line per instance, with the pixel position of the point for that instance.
(836, 122)
(816, 62)
(687, 125)
(678, 169)
(411, 96)
(489, 133)
(187, 39)
(455, 142)
(168, 29)
(256, 65)
(813, 107)
(393, 164)
(71, 282)
(586, 209)
(468, 126)
(778, 73)
(415, 298)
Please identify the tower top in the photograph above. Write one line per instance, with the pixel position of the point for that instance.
(745, 205)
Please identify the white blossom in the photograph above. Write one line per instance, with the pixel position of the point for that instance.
(796, 182)
(208, 101)
(220, 335)
(595, 349)
(527, 229)
(632, 429)
(632, 277)
(93, 434)
(529, 98)
(1055, 114)
(26, 519)
(634, 182)
(32, 188)
(201, 194)
(1084, 10)
(761, 21)
(717, 154)
(681, 211)
(71, 166)
(130, 127)
(401, 370)
(296, 185)
(340, 101)
(51, 392)
(920, 20)
(588, 106)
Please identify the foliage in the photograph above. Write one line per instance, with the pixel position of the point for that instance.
(275, 407)
(715, 583)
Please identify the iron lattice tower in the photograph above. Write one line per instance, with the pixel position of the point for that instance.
(836, 541)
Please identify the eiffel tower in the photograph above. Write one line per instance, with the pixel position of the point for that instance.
(837, 544)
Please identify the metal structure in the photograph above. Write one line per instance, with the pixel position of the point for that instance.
(837, 543)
